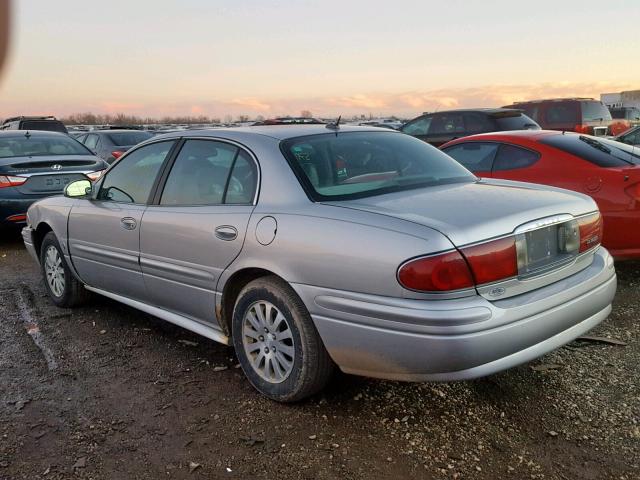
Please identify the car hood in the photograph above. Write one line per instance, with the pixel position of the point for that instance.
(476, 211)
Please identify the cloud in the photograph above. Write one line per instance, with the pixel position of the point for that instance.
(251, 103)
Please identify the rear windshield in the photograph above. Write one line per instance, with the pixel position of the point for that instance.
(597, 150)
(516, 122)
(595, 112)
(46, 125)
(344, 166)
(38, 146)
(127, 139)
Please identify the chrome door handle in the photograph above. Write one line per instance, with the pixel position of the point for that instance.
(128, 223)
(226, 232)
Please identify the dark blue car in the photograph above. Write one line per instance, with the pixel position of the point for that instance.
(37, 164)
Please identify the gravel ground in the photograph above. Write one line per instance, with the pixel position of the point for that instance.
(107, 392)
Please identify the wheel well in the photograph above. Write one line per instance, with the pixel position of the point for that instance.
(38, 235)
(232, 289)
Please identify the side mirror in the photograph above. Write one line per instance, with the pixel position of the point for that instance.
(77, 189)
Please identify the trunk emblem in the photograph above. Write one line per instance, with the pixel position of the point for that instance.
(57, 166)
(496, 292)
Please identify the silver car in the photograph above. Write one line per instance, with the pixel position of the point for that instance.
(310, 247)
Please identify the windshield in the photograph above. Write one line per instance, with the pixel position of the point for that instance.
(126, 139)
(38, 146)
(343, 166)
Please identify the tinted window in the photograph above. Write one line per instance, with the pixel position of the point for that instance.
(476, 156)
(243, 181)
(510, 157)
(562, 112)
(517, 122)
(478, 123)
(199, 174)
(37, 146)
(632, 138)
(417, 127)
(594, 112)
(446, 124)
(598, 151)
(91, 141)
(124, 139)
(131, 179)
(49, 126)
(360, 164)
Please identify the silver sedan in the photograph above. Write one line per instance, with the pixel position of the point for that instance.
(311, 247)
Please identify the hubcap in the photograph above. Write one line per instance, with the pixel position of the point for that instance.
(54, 270)
(268, 342)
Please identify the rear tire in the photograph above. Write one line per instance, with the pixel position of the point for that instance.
(63, 288)
(277, 344)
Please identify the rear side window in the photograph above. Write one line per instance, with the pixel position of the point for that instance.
(510, 157)
(600, 152)
(446, 124)
(595, 112)
(562, 112)
(478, 123)
(419, 126)
(475, 156)
(210, 173)
(91, 141)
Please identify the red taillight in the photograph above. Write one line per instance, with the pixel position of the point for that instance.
(9, 181)
(590, 231)
(437, 273)
(93, 176)
(22, 217)
(492, 261)
(582, 129)
(117, 154)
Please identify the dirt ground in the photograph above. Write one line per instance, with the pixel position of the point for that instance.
(107, 392)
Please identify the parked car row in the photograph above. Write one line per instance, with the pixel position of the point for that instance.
(311, 247)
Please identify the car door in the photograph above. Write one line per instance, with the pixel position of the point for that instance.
(196, 225)
(104, 234)
(476, 157)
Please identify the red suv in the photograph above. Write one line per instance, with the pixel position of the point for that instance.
(581, 115)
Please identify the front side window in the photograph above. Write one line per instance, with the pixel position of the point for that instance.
(201, 175)
(91, 141)
(343, 166)
(419, 126)
(131, 179)
(475, 156)
(510, 157)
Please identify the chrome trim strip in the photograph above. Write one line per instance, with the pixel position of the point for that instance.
(543, 222)
(53, 172)
(184, 322)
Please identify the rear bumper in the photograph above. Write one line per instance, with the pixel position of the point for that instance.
(442, 340)
(15, 206)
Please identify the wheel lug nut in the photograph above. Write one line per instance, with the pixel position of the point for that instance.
(266, 330)
(261, 338)
(273, 348)
(266, 349)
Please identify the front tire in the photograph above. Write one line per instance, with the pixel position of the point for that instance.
(277, 344)
(63, 288)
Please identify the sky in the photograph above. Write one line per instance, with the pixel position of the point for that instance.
(270, 58)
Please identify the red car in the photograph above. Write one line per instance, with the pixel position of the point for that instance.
(606, 170)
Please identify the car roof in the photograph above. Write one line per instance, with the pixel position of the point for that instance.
(279, 132)
(32, 133)
(117, 130)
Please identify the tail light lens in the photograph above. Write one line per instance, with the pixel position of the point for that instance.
(582, 129)
(590, 231)
(117, 154)
(492, 261)
(9, 181)
(437, 273)
(93, 176)
(21, 217)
